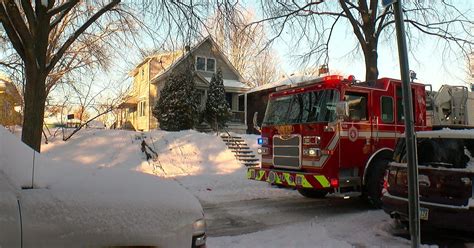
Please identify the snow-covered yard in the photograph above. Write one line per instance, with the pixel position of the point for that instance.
(203, 165)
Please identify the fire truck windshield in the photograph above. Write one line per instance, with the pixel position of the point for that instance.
(307, 107)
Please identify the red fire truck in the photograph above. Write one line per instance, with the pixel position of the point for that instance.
(336, 135)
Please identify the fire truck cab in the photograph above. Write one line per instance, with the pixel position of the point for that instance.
(335, 135)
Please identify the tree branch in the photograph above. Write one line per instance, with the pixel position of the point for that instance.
(354, 24)
(78, 32)
(12, 34)
(29, 13)
(12, 12)
(63, 10)
(381, 20)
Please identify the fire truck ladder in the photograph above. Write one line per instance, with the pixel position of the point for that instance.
(240, 149)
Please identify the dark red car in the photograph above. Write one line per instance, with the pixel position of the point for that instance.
(445, 176)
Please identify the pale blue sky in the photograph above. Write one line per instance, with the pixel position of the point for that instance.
(426, 56)
(426, 59)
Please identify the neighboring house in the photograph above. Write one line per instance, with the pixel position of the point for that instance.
(151, 74)
(10, 100)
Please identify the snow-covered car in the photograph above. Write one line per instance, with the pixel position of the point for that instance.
(46, 203)
(445, 176)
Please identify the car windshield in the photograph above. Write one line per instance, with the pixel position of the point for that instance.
(315, 106)
(444, 152)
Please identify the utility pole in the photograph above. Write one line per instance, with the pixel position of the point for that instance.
(413, 190)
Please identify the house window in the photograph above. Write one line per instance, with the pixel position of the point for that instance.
(200, 64)
(141, 108)
(205, 64)
(211, 65)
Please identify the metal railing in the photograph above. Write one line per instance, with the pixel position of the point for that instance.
(237, 117)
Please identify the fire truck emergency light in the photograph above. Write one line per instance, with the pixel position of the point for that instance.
(262, 141)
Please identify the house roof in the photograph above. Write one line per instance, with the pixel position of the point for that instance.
(176, 54)
(191, 51)
(129, 102)
(284, 81)
(230, 83)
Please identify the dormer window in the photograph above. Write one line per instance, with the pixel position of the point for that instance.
(205, 64)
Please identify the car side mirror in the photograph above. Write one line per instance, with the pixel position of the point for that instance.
(342, 110)
(255, 124)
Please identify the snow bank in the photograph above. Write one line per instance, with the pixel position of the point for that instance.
(202, 163)
(198, 161)
(97, 149)
(67, 176)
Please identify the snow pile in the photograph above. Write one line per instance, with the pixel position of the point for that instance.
(203, 164)
(200, 162)
(92, 184)
(97, 148)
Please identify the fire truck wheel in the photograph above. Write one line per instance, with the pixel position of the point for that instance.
(374, 183)
(313, 193)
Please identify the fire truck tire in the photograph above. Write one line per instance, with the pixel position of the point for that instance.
(374, 184)
(313, 193)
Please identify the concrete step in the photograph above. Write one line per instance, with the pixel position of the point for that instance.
(251, 164)
(231, 137)
(236, 143)
(242, 151)
(239, 147)
(245, 155)
(233, 140)
(249, 159)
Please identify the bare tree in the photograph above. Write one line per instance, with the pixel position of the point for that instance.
(89, 98)
(264, 68)
(313, 23)
(244, 45)
(29, 27)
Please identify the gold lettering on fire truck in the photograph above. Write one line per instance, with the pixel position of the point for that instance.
(285, 131)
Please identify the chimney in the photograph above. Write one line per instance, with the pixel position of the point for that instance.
(187, 48)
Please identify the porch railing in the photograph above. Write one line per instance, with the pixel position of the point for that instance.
(237, 117)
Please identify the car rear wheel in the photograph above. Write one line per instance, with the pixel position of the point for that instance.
(313, 193)
(374, 183)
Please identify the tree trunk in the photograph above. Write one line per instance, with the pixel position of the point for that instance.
(34, 107)
(371, 67)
